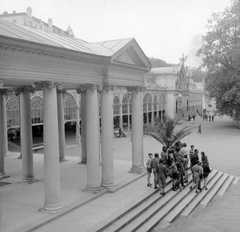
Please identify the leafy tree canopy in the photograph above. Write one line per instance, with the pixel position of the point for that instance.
(221, 57)
(159, 63)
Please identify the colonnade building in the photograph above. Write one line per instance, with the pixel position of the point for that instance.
(49, 79)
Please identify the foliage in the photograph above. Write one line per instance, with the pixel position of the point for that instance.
(221, 57)
(198, 74)
(159, 63)
(165, 132)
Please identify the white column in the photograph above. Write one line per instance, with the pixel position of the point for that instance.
(157, 110)
(120, 120)
(92, 139)
(137, 131)
(51, 149)
(82, 90)
(26, 135)
(61, 125)
(3, 138)
(78, 137)
(152, 119)
(107, 137)
(170, 108)
(5, 130)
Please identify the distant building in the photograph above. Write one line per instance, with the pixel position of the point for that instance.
(26, 19)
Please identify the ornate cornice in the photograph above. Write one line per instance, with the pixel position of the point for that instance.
(46, 53)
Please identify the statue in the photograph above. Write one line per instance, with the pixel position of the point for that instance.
(183, 60)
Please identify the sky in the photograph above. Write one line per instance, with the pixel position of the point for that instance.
(164, 29)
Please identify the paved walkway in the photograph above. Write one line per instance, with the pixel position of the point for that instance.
(20, 202)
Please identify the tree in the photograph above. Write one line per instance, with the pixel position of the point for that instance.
(221, 58)
(165, 132)
(159, 63)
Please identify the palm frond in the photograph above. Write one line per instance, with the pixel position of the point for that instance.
(165, 133)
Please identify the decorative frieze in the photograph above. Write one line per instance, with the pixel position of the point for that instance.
(49, 54)
(136, 88)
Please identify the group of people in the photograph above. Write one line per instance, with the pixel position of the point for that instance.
(174, 162)
(209, 117)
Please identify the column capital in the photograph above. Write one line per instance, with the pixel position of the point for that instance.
(109, 87)
(1, 83)
(84, 88)
(60, 88)
(3, 91)
(49, 84)
(136, 89)
(24, 89)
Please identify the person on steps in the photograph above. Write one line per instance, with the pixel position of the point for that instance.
(149, 169)
(162, 176)
(154, 164)
(206, 169)
(197, 171)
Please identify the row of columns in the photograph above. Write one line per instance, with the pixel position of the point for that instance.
(54, 137)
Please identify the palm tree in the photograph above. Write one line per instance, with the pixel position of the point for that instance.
(165, 132)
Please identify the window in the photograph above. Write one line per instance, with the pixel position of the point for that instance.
(13, 113)
(70, 108)
(116, 105)
(37, 110)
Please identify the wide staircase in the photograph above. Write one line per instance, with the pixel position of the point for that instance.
(152, 208)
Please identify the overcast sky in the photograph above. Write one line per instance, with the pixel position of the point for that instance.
(164, 29)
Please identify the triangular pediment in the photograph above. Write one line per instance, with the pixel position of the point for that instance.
(131, 55)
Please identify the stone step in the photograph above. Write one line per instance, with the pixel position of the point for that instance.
(226, 185)
(213, 177)
(236, 180)
(121, 214)
(214, 190)
(158, 211)
(190, 196)
(149, 206)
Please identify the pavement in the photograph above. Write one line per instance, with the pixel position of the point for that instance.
(20, 201)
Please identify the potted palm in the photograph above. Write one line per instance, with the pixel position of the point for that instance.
(165, 132)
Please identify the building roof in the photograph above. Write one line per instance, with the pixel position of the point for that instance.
(26, 33)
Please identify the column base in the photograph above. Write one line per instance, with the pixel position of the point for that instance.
(63, 159)
(51, 209)
(83, 161)
(138, 170)
(30, 180)
(108, 185)
(3, 176)
(7, 153)
(20, 156)
(96, 189)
